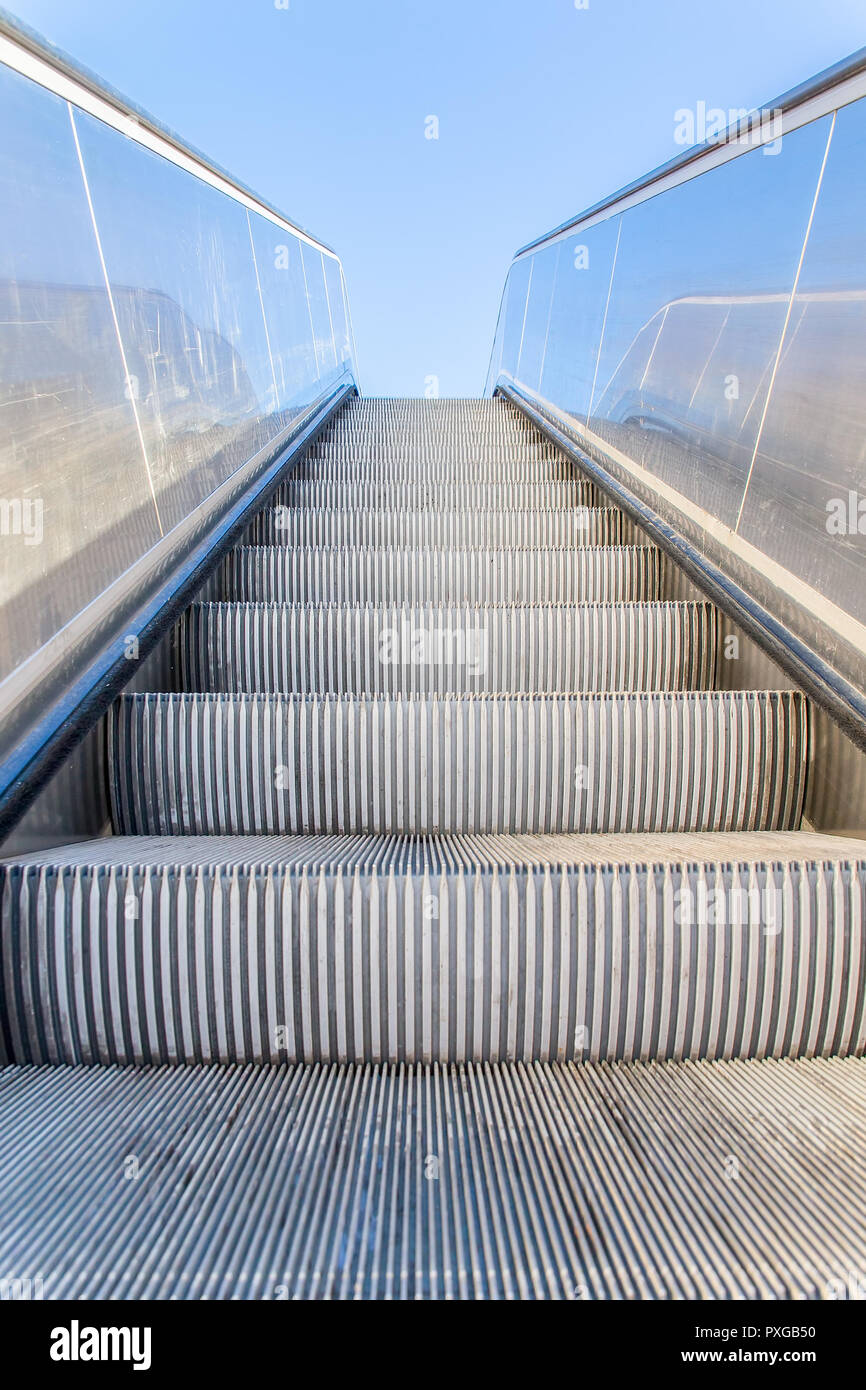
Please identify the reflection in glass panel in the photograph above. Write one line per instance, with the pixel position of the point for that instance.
(180, 264)
(812, 454)
(337, 306)
(541, 289)
(76, 506)
(516, 287)
(125, 405)
(577, 316)
(290, 328)
(323, 333)
(696, 312)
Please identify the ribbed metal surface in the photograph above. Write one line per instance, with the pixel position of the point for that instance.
(447, 649)
(413, 1064)
(430, 467)
(411, 417)
(276, 574)
(435, 496)
(244, 764)
(420, 853)
(726, 1180)
(452, 530)
(454, 952)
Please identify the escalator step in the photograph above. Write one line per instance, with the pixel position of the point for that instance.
(462, 495)
(576, 526)
(446, 650)
(456, 949)
(249, 764)
(529, 1182)
(278, 574)
(427, 469)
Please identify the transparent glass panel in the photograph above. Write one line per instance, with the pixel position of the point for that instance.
(75, 502)
(323, 333)
(577, 317)
(516, 287)
(181, 268)
(697, 308)
(338, 308)
(806, 500)
(154, 336)
(287, 308)
(541, 288)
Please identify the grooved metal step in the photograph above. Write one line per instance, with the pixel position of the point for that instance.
(501, 529)
(446, 649)
(458, 949)
(436, 496)
(410, 413)
(486, 1182)
(462, 943)
(277, 574)
(248, 764)
(430, 468)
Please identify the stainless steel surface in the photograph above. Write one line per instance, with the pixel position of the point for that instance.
(509, 528)
(710, 928)
(276, 574)
(481, 1182)
(248, 764)
(474, 948)
(706, 347)
(57, 695)
(563, 944)
(474, 494)
(438, 649)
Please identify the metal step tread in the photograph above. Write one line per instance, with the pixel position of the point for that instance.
(278, 574)
(455, 949)
(240, 764)
(708, 1180)
(432, 468)
(420, 854)
(438, 648)
(437, 494)
(498, 528)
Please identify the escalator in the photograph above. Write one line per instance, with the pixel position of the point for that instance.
(460, 935)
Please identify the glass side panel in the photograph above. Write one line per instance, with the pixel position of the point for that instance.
(698, 304)
(76, 506)
(714, 342)
(577, 317)
(516, 290)
(806, 500)
(338, 308)
(323, 333)
(534, 337)
(180, 265)
(155, 335)
(290, 329)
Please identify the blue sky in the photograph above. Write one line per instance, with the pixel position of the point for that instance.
(542, 109)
